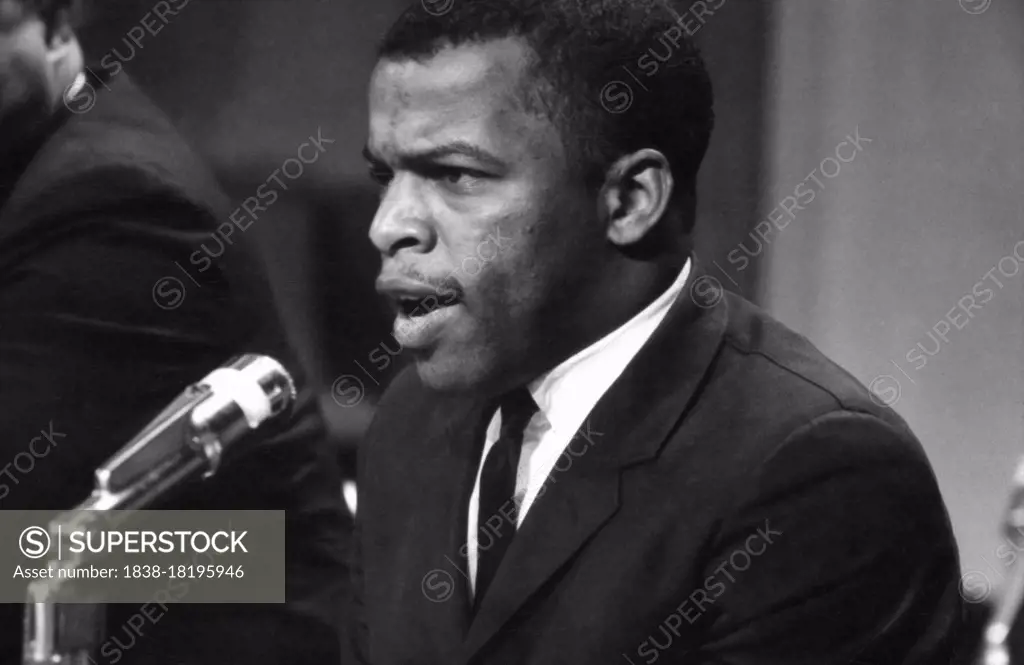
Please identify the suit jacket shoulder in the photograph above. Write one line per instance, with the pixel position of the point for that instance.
(795, 363)
(780, 382)
(124, 136)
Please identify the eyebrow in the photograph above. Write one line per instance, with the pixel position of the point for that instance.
(456, 148)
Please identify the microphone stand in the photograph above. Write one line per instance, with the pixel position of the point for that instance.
(996, 644)
(67, 633)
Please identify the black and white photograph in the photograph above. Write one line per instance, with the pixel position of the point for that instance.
(511, 332)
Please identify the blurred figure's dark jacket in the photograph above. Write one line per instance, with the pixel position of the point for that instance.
(101, 325)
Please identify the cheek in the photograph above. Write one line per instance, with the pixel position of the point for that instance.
(521, 245)
(512, 294)
(489, 243)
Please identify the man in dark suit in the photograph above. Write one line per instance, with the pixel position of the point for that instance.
(598, 456)
(102, 206)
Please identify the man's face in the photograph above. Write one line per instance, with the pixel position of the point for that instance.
(484, 231)
(24, 74)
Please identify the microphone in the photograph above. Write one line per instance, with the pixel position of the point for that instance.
(184, 442)
(189, 437)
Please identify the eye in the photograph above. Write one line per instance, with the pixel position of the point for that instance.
(453, 176)
(458, 177)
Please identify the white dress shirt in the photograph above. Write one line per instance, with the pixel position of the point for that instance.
(565, 396)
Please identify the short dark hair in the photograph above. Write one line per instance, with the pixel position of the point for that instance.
(581, 48)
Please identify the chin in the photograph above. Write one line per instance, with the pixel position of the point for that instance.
(445, 378)
(454, 374)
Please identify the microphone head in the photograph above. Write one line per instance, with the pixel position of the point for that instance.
(258, 387)
(207, 418)
(243, 395)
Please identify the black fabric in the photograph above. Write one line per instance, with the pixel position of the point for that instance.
(19, 148)
(734, 498)
(496, 519)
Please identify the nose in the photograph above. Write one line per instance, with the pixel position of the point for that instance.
(402, 221)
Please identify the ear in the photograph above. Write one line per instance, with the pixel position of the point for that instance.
(635, 195)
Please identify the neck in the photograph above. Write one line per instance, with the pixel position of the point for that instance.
(639, 284)
(618, 296)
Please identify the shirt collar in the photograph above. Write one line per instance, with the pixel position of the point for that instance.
(567, 393)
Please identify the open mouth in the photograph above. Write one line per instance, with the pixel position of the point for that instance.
(421, 321)
(415, 308)
(412, 307)
(423, 312)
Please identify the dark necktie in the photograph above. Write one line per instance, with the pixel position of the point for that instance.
(496, 519)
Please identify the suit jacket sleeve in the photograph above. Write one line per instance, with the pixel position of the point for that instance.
(90, 351)
(841, 553)
(87, 351)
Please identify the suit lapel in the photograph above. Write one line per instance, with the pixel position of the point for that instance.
(436, 592)
(572, 509)
(627, 426)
